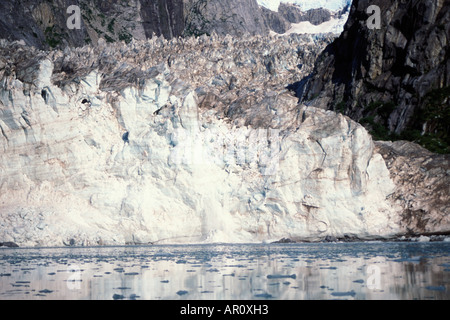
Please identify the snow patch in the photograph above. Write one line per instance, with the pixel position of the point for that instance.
(335, 26)
(333, 5)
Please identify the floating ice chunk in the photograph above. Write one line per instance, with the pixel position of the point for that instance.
(436, 288)
(281, 276)
(423, 239)
(181, 262)
(343, 294)
(263, 295)
(45, 291)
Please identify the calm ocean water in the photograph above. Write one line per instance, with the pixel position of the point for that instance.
(362, 270)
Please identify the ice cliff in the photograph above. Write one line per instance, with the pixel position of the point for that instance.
(122, 144)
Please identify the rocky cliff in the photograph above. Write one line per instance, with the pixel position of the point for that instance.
(422, 180)
(224, 17)
(42, 23)
(294, 14)
(394, 80)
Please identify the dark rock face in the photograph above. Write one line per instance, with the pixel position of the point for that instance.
(294, 14)
(9, 244)
(42, 23)
(163, 17)
(275, 21)
(395, 79)
(223, 17)
(317, 16)
(39, 23)
(291, 13)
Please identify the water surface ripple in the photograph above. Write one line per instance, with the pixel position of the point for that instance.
(381, 270)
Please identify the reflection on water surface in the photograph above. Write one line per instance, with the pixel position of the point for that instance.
(392, 270)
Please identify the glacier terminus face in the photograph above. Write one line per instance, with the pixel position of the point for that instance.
(93, 155)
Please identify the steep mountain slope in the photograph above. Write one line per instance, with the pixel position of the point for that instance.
(42, 23)
(223, 17)
(395, 80)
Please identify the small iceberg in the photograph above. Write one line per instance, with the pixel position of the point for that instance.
(344, 294)
(264, 295)
(182, 292)
(281, 276)
(436, 288)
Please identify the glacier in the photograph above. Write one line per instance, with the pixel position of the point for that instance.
(104, 146)
(333, 5)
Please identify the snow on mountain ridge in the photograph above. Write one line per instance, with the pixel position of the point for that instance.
(335, 26)
(332, 5)
(322, 16)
